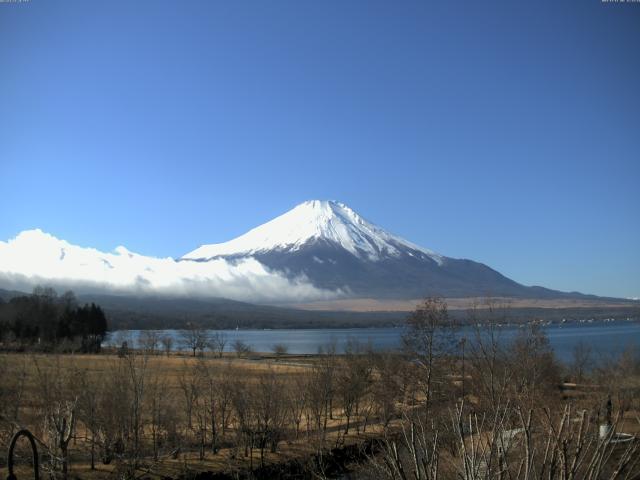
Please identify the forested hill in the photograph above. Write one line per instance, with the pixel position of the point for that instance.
(130, 312)
(163, 312)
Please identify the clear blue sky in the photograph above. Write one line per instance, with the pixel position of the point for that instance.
(505, 132)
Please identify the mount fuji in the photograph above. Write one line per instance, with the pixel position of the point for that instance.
(318, 251)
(314, 222)
(336, 249)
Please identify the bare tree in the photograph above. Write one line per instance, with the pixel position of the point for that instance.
(245, 422)
(88, 405)
(167, 344)
(121, 338)
(203, 409)
(12, 394)
(212, 399)
(241, 348)
(388, 387)
(114, 412)
(194, 338)
(136, 371)
(60, 424)
(217, 343)
(122, 418)
(280, 349)
(353, 379)
(428, 340)
(190, 387)
(536, 371)
(149, 341)
(59, 404)
(161, 412)
(297, 395)
(270, 412)
(618, 375)
(321, 389)
(317, 391)
(582, 360)
(490, 368)
(226, 378)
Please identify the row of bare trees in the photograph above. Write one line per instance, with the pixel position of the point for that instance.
(194, 339)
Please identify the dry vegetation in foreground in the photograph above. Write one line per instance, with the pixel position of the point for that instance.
(438, 409)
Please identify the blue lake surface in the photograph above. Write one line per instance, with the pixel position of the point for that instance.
(605, 338)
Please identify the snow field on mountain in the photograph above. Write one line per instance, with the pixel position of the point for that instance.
(314, 220)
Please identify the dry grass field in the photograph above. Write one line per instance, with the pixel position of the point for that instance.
(29, 370)
(147, 414)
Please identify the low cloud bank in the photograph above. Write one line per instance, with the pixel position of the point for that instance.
(35, 257)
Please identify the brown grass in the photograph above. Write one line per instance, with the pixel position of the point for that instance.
(170, 368)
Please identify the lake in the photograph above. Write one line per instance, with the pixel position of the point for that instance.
(605, 338)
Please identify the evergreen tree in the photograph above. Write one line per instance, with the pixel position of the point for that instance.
(44, 319)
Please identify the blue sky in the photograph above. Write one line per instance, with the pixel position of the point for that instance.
(505, 132)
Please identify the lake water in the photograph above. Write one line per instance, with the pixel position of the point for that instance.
(605, 338)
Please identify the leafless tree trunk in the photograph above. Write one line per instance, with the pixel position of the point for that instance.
(428, 341)
(195, 338)
(190, 386)
(59, 401)
(218, 342)
(167, 344)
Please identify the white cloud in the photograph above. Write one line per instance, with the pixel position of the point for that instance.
(35, 257)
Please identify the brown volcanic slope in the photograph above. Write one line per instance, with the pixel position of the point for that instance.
(390, 305)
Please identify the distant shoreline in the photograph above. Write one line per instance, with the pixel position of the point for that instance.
(377, 305)
(607, 336)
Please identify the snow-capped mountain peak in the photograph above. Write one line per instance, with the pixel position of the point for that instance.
(319, 250)
(314, 220)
